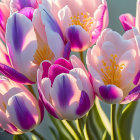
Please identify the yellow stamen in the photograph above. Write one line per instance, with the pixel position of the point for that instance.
(112, 73)
(84, 20)
(43, 51)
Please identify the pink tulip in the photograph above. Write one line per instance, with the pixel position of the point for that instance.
(65, 88)
(81, 22)
(113, 64)
(19, 110)
(128, 21)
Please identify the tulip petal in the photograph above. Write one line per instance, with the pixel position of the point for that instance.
(84, 104)
(127, 21)
(14, 75)
(63, 62)
(134, 95)
(28, 12)
(55, 70)
(54, 34)
(4, 58)
(137, 78)
(65, 96)
(78, 38)
(99, 18)
(45, 68)
(7, 126)
(22, 44)
(19, 109)
(17, 5)
(46, 103)
(4, 14)
(111, 94)
(67, 51)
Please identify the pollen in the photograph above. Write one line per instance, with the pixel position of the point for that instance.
(112, 74)
(43, 51)
(84, 20)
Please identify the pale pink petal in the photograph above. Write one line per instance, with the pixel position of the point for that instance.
(65, 15)
(77, 63)
(129, 70)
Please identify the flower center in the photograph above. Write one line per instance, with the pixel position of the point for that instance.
(84, 20)
(112, 73)
(43, 51)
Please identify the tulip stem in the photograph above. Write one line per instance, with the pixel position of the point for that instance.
(113, 122)
(37, 134)
(82, 57)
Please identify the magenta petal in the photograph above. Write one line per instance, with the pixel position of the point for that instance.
(84, 104)
(14, 75)
(111, 93)
(55, 70)
(137, 78)
(28, 12)
(65, 63)
(45, 66)
(127, 21)
(41, 107)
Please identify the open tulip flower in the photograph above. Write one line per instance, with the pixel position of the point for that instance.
(81, 21)
(28, 45)
(65, 88)
(114, 63)
(128, 21)
(19, 109)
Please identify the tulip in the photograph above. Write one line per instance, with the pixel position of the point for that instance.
(65, 88)
(81, 21)
(128, 21)
(27, 49)
(113, 64)
(19, 109)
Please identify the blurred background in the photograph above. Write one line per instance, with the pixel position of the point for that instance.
(116, 8)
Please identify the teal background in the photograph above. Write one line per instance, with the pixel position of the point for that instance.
(116, 8)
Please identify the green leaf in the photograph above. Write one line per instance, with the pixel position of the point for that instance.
(33, 137)
(101, 118)
(106, 136)
(126, 120)
(20, 137)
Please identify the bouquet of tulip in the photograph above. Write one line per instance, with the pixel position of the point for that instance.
(38, 38)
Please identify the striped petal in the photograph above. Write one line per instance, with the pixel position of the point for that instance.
(111, 94)
(65, 95)
(22, 112)
(78, 37)
(22, 44)
(53, 32)
(17, 5)
(14, 75)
